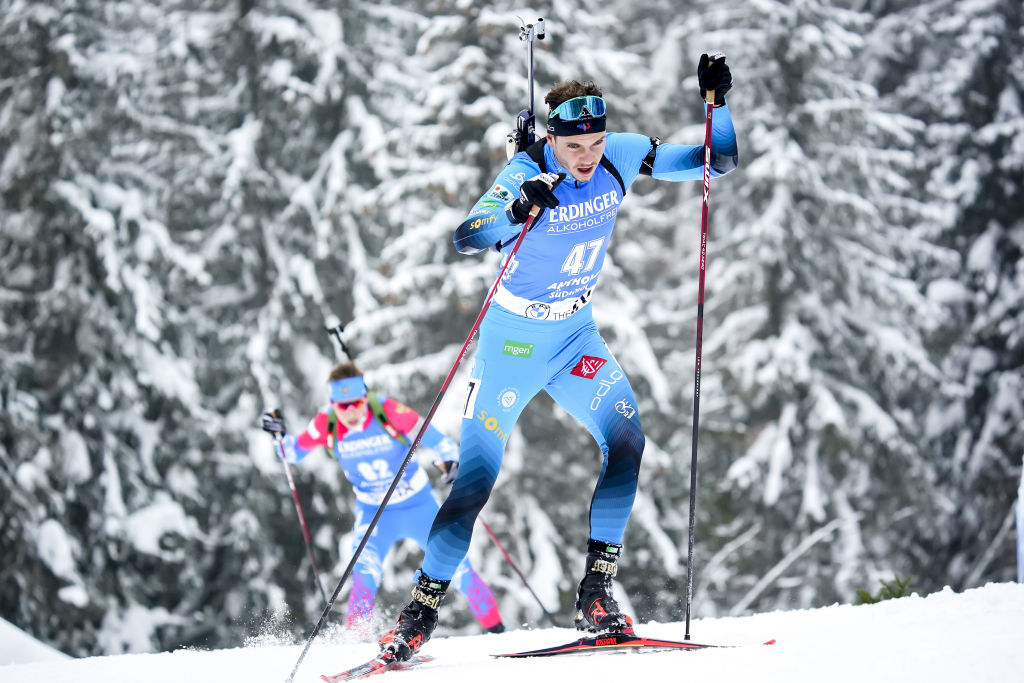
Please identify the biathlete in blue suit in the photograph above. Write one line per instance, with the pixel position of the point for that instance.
(367, 433)
(539, 332)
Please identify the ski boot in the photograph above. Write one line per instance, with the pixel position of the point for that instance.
(417, 621)
(596, 609)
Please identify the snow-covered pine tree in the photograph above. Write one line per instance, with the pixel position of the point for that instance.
(961, 77)
(815, 369)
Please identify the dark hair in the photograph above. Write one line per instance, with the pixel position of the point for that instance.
(344, 371)
(568, 90)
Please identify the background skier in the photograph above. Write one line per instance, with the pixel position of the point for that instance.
(366, 433)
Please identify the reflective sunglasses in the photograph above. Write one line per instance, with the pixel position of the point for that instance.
(348, 405)
(578, 107)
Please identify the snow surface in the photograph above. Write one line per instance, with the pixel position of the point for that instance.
(974, 636)
(18, 646)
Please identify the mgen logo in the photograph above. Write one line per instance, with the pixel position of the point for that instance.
(517, 349)
(588, 366)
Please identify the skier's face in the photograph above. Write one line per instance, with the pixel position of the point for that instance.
(351, 414)
(579, 154)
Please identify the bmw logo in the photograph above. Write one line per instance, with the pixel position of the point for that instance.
(538, 311)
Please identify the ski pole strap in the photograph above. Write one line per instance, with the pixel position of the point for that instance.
(647, 165)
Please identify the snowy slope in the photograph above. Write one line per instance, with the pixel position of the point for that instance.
(16, 646)
(975, 636)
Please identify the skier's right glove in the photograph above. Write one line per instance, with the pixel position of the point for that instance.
(450, 470)
(537, 191)
(272, 422)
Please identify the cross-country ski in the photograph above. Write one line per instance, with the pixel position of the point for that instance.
(378, 665)
(616, 642)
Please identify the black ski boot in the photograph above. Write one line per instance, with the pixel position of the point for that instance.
(596, 609)
(417, 621)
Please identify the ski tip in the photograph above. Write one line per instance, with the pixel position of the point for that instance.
(379, 664)
(770, 642)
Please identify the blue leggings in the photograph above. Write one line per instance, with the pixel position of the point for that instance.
(515, 359)
(408, 519)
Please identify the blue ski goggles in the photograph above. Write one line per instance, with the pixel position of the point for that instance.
(578, 116)
(587, 106)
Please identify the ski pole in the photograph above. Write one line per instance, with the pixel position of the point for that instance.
(415, 443)
(508, 557)
(709, 101)
(302, 518)
(335, 329)
(522, 578)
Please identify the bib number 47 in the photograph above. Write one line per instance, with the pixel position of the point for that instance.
(582, 257)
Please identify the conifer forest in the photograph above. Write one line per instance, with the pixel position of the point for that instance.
(190, 190)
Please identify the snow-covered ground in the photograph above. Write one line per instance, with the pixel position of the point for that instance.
(18, 646)
(946, 637)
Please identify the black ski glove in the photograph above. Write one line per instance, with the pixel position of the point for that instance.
(537, 191)
(272, 422)
(450, 470)
(713, 74)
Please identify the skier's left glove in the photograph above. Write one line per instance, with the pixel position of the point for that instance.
(272, 422)
(713, 74)
(450, 469)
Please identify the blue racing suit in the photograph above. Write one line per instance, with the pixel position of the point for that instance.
(369, 458)
(539, 332)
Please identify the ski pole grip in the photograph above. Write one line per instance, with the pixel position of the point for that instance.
(709, 96)
(535, 210)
